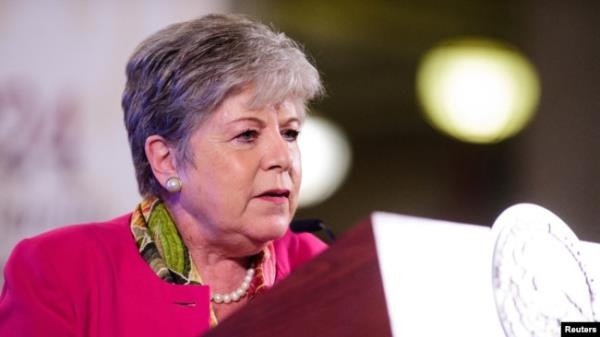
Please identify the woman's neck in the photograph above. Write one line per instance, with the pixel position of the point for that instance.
(210, 239)
(221, 259)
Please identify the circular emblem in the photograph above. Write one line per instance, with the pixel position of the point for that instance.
(539, 274)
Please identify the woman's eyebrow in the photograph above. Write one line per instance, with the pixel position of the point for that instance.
(247, 119)
(292, 120)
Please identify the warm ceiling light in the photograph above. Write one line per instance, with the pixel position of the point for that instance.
(477, 90)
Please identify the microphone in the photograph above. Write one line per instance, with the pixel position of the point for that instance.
(311, 226)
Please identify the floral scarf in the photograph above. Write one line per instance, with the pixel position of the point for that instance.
(161, 246)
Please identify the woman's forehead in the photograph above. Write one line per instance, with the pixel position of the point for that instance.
(243, 105)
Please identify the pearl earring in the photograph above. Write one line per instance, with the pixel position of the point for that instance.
(173, 184)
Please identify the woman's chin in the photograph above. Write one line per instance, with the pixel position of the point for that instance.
(270, 230)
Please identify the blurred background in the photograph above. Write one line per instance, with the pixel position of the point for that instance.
(64, 156)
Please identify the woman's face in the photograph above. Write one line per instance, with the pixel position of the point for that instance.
(244, 179)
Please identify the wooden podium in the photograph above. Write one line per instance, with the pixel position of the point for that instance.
(407, 276)
(339, 293)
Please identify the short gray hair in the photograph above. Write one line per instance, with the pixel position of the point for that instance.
(180, 74)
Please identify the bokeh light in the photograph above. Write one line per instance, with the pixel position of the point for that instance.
(477, 90)
(326, 159)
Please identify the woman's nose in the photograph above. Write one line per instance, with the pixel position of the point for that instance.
(279, 154)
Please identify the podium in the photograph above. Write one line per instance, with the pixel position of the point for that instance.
(391, 275)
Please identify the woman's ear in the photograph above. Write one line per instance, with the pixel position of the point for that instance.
(161, 158)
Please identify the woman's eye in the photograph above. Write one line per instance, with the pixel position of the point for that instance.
(247, 136)
(290, 134)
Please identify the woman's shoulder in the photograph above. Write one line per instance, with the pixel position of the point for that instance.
(300, 243)
(82, 233)
(294, 249)
(74, 242)
(57, 276)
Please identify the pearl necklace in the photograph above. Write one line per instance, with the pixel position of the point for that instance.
(235, 295)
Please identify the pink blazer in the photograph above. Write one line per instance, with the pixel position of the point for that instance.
(89, 280)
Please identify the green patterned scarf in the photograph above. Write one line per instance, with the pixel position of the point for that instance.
(160, 244)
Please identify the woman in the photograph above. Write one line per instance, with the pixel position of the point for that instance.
(213, 108)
